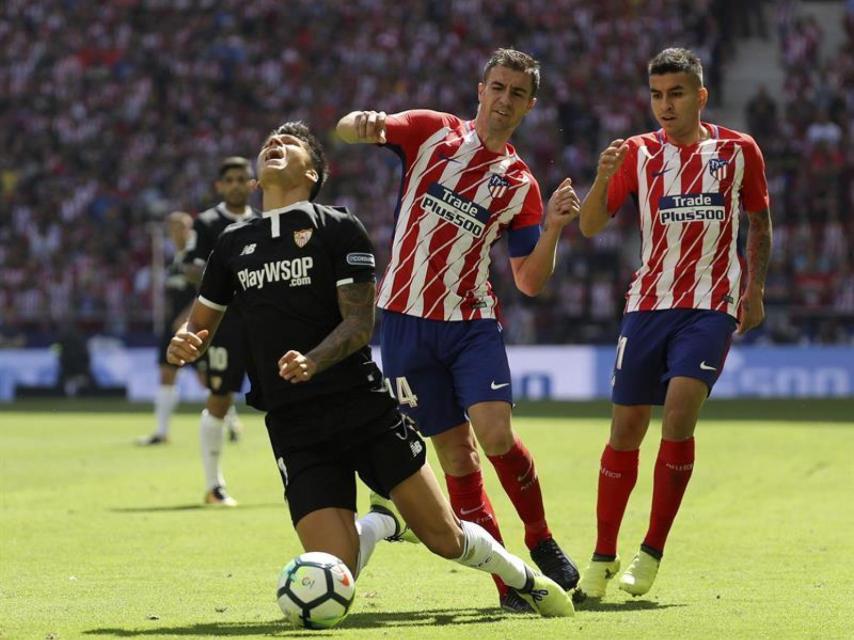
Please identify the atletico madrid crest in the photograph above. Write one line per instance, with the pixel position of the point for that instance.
(302, 237)
(717, 167)
(497, 185)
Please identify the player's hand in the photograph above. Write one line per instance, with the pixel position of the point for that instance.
(611, 159)
(751, 310)
(370, 126)
(564, 205)
(185, 347)
(296, 367)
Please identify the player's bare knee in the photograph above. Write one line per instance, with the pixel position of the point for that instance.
(218, 406)
(628, 429)
(460, 460)
(444, 541)
(497, 441)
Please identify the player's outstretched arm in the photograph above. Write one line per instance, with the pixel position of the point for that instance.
(531, 272)
(594, 210)
(193, 337)
(752, 307)
(362, 126)
(356, 303)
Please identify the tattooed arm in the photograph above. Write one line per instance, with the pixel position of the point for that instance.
(356, 302)
(752, 308)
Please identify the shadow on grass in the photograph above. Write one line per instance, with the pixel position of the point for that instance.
(193, 507)
(627, 605)
(280, 629)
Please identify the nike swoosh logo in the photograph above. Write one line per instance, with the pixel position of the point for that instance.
(660, 173)
(521, 478)
(494, 386)
(465, 512)
(706, 367)
(447, 158)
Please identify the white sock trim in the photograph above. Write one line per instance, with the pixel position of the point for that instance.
(484, 553)
(211, 437)
(164, 404)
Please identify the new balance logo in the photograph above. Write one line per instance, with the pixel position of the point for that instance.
(416, 447)
(249, 249)
(707, 367)
(495, 386)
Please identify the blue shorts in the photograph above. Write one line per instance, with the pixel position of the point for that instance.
(439, 369)
(655, 346)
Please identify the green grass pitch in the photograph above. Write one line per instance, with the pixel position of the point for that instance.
(101, 539)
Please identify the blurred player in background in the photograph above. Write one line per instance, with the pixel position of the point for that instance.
(463, 186)
(690, 180)
(303, 278)
(180, 293)
(225, 356)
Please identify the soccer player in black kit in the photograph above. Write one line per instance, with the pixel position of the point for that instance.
(226, 366)
(179, 295)
(303, 280)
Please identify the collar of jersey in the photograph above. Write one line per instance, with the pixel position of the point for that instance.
(274, 214)
(237, 217)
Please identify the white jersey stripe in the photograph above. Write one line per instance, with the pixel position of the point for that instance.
(432, 223)
(702, 289)
(672, 237)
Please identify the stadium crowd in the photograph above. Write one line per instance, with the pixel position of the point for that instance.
(113, 114)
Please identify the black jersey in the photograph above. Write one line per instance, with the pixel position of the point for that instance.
(207, 227)
(283, 272)
(180, 292)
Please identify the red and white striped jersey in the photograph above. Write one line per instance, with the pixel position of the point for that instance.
(689, 199)
(456, 199)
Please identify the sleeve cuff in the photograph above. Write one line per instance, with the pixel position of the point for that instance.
(211, 304)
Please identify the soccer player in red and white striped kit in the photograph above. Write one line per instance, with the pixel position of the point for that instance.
(463, 187)
(691, 180)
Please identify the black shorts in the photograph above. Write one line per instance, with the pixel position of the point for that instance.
(366, 434)
(226, 356)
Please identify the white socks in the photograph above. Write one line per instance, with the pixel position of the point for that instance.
(372, 527)
(164, 404)
(231, 416)
(211, 436)
(483, 552)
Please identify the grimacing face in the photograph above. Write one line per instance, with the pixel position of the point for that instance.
(284, 161)
(677, 100)
(505, 98)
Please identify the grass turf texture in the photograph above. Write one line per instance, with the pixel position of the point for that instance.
(102, 539)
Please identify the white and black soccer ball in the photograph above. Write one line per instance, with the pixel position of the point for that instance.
(316, 590)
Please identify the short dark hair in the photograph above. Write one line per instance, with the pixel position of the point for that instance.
(234, 162)
(298, 129)
(517, 61)
(677, 60)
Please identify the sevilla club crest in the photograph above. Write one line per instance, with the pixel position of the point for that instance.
(302, 237)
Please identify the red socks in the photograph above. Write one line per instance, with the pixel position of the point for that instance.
(519, 478)
(672, 472)
(617, 477)
(470, 502)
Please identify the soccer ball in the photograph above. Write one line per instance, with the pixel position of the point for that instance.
(315, 590)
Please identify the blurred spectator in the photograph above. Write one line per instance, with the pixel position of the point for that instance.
(112, 114)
